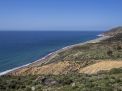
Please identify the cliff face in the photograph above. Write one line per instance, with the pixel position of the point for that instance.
(113, 31)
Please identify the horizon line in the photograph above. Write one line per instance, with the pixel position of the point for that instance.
(55, 30)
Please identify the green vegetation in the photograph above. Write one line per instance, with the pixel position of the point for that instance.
(104, 81)
(90, 53)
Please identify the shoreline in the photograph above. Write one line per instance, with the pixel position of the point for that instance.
(41, 60)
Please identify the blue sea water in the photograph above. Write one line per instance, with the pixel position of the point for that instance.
(18, 48)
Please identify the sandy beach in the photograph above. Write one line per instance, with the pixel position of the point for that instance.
(43, 59)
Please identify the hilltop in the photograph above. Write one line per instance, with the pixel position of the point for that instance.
(113, 31)
(92, 66)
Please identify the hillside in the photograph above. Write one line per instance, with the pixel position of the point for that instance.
(113, 31)
(95, 66)
(53, 68)
(66, 67)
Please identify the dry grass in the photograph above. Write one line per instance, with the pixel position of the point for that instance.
(54, 68)
(101, 66)
(65, 67)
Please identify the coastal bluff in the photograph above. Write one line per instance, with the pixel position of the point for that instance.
(95, 65)
(79, 57)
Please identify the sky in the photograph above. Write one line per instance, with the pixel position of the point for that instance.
(60, 14)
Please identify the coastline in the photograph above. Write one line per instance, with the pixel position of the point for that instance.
(43, 59)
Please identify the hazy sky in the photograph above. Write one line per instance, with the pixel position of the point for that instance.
(60, 14)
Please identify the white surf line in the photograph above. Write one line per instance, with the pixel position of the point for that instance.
(62, 49)
(10, 70)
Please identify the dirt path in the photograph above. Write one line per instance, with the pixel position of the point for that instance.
(103, 65)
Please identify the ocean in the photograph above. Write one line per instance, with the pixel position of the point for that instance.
(18, 48)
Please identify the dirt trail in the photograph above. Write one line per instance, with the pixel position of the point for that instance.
(103, 65)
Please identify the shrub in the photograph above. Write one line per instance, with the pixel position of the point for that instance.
(119, 47)
(28, 89)
(116, 71)
(109, 53)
